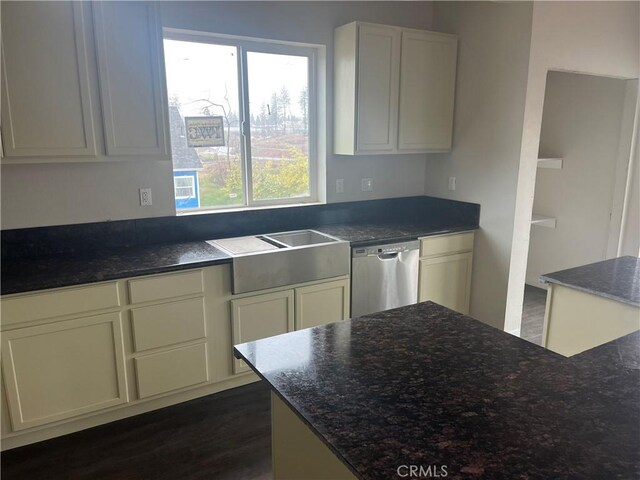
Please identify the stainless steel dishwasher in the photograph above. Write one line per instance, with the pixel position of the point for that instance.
(384, 277)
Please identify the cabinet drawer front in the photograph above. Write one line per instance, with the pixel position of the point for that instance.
(167, 324)
(165, 286)
(64, 369)
(446, 244)
(171, 370)
(56, 303)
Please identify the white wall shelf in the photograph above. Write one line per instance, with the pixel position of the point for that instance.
(543, 221)
(555, 163)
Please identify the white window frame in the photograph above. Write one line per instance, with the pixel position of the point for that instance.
(192, 186)
(248, 44)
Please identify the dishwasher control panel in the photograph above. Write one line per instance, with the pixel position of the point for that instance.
(383, 249)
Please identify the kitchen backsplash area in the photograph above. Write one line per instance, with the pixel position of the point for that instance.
(75, 239)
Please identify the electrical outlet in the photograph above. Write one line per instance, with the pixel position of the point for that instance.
(366, 185)
(145, 197)
(452, 183)
(340, 185)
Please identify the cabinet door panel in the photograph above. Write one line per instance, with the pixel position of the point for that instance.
(63, 369)
(446, 280)
(260, 316)
(46, 102)
(378, 74)
(128, 44)
(427, 86)
(320, 304)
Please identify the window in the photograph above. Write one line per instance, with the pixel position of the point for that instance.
(242, 114)
(185, 187)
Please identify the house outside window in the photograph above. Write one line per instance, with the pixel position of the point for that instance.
(262, 94)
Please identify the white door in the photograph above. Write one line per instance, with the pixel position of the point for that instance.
(323, 303)
(260, 316)
(446, 280)
(378, 76)
(47, 109)
(427, 87)
(63, 369)
(132, 87)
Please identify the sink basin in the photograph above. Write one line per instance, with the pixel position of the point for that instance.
(301, 238)
(244, 245)
(288, 258)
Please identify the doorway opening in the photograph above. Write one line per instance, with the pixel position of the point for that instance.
(582, 184)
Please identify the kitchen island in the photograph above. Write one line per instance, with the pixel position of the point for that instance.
(422, 387)
(591, 305)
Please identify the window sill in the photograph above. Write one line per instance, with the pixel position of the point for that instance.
(246, 209)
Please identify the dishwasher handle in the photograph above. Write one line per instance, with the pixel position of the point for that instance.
(388, 256)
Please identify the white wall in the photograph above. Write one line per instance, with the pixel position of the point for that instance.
(599, 38)
(42, 195)
(630, 238)
(582, 123)
(38, 195)
(490, 93)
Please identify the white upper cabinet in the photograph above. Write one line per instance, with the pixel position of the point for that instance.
(427, 88)
(82, 81)
(47, 109)
(378, 75)
(128, 45)
(394, 89)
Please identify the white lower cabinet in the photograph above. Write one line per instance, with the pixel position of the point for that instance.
(64, 369)
(322, 303)
(447, 280)
(445, 270)
(80, 356)
(74, 353)
(260, 316)
(576, 321)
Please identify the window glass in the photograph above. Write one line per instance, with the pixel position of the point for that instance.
(279, 110)
(216, 88)
(202, 81)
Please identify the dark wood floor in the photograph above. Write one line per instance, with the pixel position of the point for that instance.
(226, 436)
(535, 300)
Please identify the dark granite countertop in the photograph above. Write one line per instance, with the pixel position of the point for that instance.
(42, 273)
(365, 234)
(617, 279)
(24, 275)
(423, 385)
